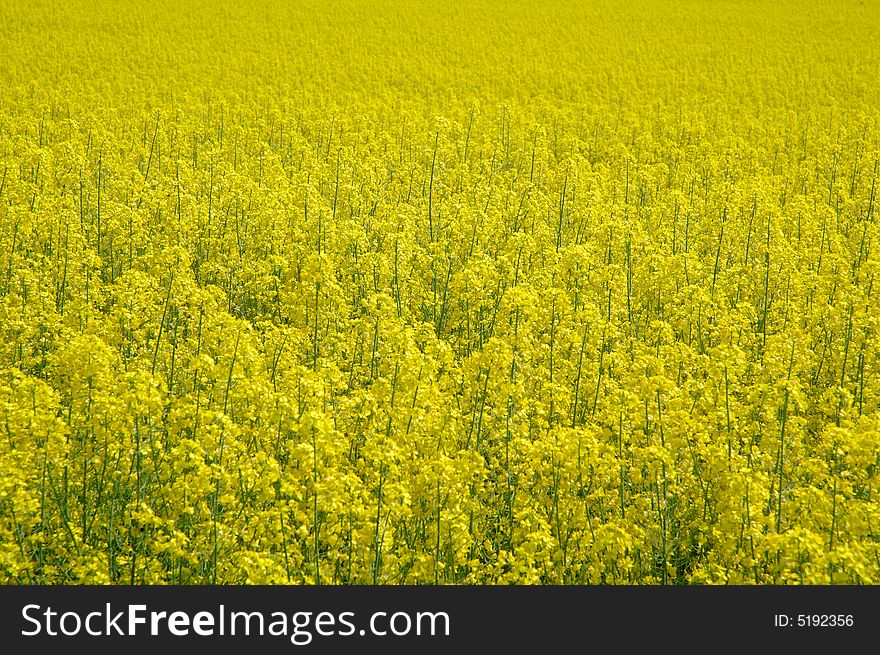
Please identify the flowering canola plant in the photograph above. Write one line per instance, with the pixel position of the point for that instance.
(439, 292)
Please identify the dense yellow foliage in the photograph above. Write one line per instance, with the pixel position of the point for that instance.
(444, 291)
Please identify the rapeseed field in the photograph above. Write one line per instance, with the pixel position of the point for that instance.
(361, 292)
